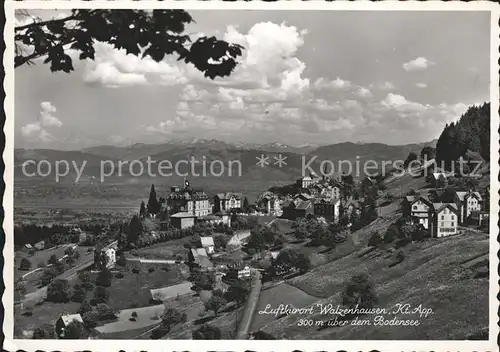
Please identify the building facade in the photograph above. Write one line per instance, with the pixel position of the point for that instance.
(469, 204)
(417, 209)
(328, 208)
(227, 201)
(189, 200)
(444, 220)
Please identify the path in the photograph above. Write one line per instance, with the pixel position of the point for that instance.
(153, 261)
(250, 306)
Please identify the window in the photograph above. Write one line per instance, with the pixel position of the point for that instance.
(442, 224)
(452, 223)
(442, 217)
(414, 207)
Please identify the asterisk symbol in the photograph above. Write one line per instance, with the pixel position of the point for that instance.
(280, 160)
(262, 161)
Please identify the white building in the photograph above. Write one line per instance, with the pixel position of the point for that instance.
(208, 243)
(444, 219)
(468, 203)
(227, 201)
(418, 208)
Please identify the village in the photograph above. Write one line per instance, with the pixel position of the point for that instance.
(192, 266)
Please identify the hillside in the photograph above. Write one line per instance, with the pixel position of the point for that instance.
(377, 152)
(439, 274)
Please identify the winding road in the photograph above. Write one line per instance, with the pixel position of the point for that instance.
(250, 306)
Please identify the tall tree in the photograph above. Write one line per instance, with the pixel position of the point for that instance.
(142, 211)
(153, 205)
(134, 229)
(246, 205)
(142, 33)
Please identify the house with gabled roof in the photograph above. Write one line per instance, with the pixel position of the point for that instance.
(469, 206)
(440, 179)
(207, 242)
(417, 208)
(199, 257)
(227, 201)
(444, 219)
(64, 321)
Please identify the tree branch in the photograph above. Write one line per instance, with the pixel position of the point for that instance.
(43, 23)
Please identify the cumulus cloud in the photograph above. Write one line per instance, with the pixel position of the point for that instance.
(337, 83)
(115, 68)
(419, 64)
(39, 130)
(383, 86)
(421, 85)
(364, 92)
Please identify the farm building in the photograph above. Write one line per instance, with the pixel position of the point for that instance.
(164, 293)
(64, 321)
(199, 257)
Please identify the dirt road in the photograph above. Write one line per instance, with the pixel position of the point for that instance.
(250, 306)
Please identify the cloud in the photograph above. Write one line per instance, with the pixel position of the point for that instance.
(383, 86)
(337, 83)
(421, 85)
(38, 130)
(364, 92)
(400, 103)
(419, 64)
(115, 68)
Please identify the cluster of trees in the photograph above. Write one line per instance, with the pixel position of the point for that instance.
(471, 132)
(319, 233)
(261, 238)
(289, 260)
(400, 234)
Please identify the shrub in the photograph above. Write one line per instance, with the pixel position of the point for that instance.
(151, 269)
(58, 291)
(104, 278)
(25, 264)
(359, 291)
(28, 311)
(121, 261)
(375, 239)
(400, 256)
(90, 318)
(134, 314)
(207, 332)
(119, 275)
(43, 333)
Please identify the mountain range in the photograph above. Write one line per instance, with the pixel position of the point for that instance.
(246, 154)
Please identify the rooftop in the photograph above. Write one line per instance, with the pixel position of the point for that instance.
(66, 319)
(182, 214)
(167, 292)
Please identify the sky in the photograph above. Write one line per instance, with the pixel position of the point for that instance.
(319, 77)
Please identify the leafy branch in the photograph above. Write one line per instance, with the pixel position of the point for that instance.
(153, 34)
